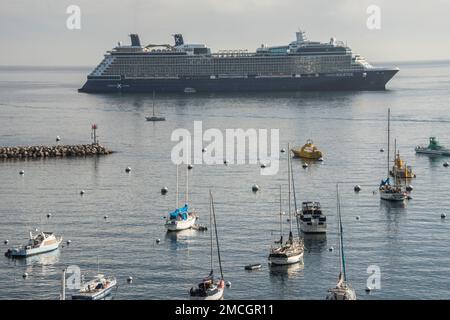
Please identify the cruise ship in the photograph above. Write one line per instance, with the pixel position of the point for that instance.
(189, 68)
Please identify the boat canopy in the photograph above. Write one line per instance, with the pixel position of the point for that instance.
(182, 212)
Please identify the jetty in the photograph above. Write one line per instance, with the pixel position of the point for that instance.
(60, 150)
(79, 150)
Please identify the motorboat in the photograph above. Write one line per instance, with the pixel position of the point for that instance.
(41, 242)
(308, 151)
(312, 220)
(433, 148)
(98, 288)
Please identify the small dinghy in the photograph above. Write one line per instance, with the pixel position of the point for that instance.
(40, 243)
(255, 266)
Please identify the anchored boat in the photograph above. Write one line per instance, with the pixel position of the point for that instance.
(308, 151)
(400, 169)
(291, 251)
(39, 243)
(181, 218)
(312, 220)
(98, 288)
(210, 288)
(433, 148)
(388, 191)
(343, 290)
(154, 117)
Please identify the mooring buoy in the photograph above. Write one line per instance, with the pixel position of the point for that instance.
(255, 188)
(69, 242)
(228, 284)
(21, 172)
(357, 188)
(409, 188)
(283, 150)
(164, 190)
(443, 215)
(305, 165)
(330, 249)
(25, 275)
(130, 279)
(127, 169)
(190, 166)
(58, 138)
(6, 241)
(49, 215)
(81, 192)
(158, 240)
(446, 164)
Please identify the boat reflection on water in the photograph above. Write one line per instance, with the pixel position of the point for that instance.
(285, 271)
(315, 242)
(180, 239)
(393, 207)
(43, 264)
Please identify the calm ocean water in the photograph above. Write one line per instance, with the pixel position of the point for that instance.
(409, 243)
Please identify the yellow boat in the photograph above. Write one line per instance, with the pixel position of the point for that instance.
(308, 151)
(400, 169)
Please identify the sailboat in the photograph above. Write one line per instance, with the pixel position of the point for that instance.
(343, 290)
(291, 251)
(388, 191)
(181, 218)
(154, 117)
(210, 288)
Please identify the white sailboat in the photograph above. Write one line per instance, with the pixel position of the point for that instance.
(291, 251)
(181, 218)
(210, 288)
(388, 191)
(41, 242)
(343, 290)
(154, 117)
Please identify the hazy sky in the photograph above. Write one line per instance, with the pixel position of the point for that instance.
(34, 32)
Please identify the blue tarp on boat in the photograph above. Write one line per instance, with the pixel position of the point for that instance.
(182, 212)
(385, 182)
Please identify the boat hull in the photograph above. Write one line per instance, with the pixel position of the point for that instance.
(313, 228)
(392, 196)
(341, 293)
(178, 225)
(216, 296)
(281, 261)
(433, 152)
(97, 296)
(362, 80)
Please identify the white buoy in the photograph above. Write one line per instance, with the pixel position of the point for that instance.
(305, 165)
(357, 217)
(228, 284)
(357, 188)
(69, 242)
(82, 192)
(368, 289)
(446, 164)
(443, 215)
(164, 190)
(409, 188)
(49, 215)
(6, 241)
(330, 249)
(190, 166)
(25, 275)
(283, 150)
(127, 169)
(158, 240)
(381, 150)
(21, 172)
(255, 188)
(58, 138)
(130, 279)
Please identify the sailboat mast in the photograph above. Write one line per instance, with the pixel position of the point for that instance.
(153, 102)
(295, 200)
(187, 185)
(341, 240)
(211, 232)
(389, 140)
(176, 200)
(217, 237)
(289, 192)
(281, 221)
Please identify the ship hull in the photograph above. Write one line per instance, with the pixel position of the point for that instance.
(367, 80)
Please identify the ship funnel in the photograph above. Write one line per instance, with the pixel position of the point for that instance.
(135, 42)
(301, 37)
(178, 39)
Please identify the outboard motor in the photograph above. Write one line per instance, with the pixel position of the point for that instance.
(178, 39)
